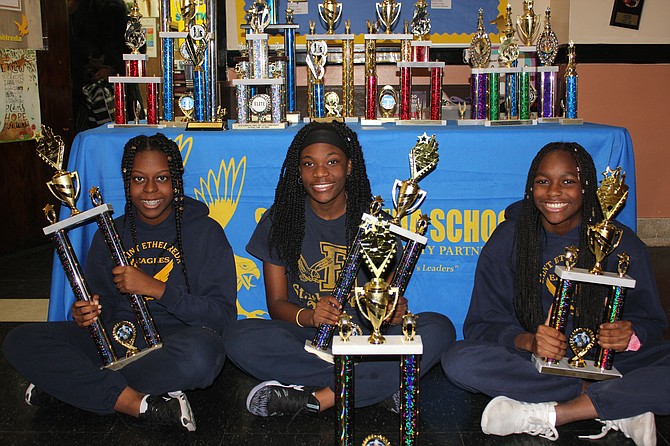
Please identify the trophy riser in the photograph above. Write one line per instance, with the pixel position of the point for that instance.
(563, 368)
(121, 363)
(77, 219)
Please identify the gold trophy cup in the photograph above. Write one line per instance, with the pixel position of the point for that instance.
(377, 299)
(528, 24)
(388, 12)
(64, 185)
(330, 12)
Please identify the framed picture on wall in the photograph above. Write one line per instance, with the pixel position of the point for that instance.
(626, 13)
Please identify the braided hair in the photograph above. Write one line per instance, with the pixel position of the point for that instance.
(288, 211)
(159, 143)
(528, 240)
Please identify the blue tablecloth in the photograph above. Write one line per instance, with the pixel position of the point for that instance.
(480, 172)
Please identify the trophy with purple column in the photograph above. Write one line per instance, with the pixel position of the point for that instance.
(547, 49)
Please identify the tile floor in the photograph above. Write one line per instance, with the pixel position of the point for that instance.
(449, 416)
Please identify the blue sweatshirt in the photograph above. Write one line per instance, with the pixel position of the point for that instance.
(491, 315)
(209, 263)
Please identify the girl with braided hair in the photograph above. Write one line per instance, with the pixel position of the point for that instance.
(511, 301)
(303, 240)
(183, 265)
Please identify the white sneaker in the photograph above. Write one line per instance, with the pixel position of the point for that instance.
(505, 416)
(641, 429)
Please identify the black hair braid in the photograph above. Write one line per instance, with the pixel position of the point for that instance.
(157, 142)
(528, 241)
(288, 211)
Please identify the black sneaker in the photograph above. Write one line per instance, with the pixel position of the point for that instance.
(392, 403)
(170, 409)
(271, 398)
(39, 398)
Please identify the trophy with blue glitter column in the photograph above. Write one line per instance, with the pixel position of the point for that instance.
(317, 56)
(292, 114)
(195, 48)
(603, 238)
(569, 103)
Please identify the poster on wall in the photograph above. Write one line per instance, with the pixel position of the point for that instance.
(19, 95)
(21, 24)
(627, 13)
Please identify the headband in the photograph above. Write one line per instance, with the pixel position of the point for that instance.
(325, 133)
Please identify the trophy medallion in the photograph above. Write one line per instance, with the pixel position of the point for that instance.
(480, 45)
(332, 104)
(186, 104)
(581, 341)
(260, 106)
(376, 440)
(124, 333)
(388, 101)
(547, 43)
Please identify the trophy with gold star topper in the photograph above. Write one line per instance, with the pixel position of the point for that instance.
(603, 238)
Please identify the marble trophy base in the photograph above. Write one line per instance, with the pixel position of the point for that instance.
(440, 122)
(571, 121)
(112, 125)
(583, 275)
(394, 345)
(326, 355)
(563, 368)
(259, 126)
(174, 124)
(471, 122)
(78, 219)
(548, 120)
(121, 363)
(293, 118)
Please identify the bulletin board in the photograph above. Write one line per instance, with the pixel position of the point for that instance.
(456, 24)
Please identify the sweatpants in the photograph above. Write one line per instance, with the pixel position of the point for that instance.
(61, 359)
(495, 370)
(275, 350)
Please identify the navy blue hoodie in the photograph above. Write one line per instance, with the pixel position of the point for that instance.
(209, 262)
(491, 315)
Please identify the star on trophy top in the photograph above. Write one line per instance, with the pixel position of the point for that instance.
(423, 157)
(613, 192)
(50, 147)
(378, 247)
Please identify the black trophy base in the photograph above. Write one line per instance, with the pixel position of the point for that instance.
(563, 368)
(121, 363)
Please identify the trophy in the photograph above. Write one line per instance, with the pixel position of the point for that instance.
(547, 49)
(570, 99)
(528, 24)
(603, 239)
(194, 50)
(388, 12)
(374, 299)
(135, 38)
(50, 148)
(480, 54)
(371, 70)
(330, 12)
(316, 61)
(420, 21)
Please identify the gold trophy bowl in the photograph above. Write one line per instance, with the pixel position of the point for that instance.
(603, 237)
(65, 187)
(388, 12)
(330, 12)
(528, 24)
(373, 301)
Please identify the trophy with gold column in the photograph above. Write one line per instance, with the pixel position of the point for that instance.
(65, 187)
(603, 237)
(316, 61)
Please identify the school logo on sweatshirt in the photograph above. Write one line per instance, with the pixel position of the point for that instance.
(324, 272)
(547, 276)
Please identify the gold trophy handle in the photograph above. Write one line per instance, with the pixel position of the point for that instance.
(360, 291)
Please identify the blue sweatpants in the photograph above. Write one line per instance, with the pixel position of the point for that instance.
(495, 370)
(61, 359)
(275, 350)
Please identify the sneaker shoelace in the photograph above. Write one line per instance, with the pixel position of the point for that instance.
(542, 428)
(607, 426)
(288, 400)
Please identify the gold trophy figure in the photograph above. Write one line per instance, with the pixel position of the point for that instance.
(480, 45)
(409, 326)
(135, 38)
(333, 106)
(528, 24)
(508, 52)
(64, 185)
(188, 9)
(388, 12)
(377, 299)
(604, 237)
(258, 17)
(330, 12)
(407, 195)
(345, 326)
(420, 21)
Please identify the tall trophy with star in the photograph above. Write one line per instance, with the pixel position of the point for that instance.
(603, 238)
(65, 187)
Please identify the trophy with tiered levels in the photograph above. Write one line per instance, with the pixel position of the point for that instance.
(604, 237)
(65, 187)
(259, 89)
(135, 74)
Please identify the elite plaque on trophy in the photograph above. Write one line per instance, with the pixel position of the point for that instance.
(65, 187)
(603, 237)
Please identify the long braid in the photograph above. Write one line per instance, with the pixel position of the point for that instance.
(528, 241)
(157, 142)
(288, 211)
